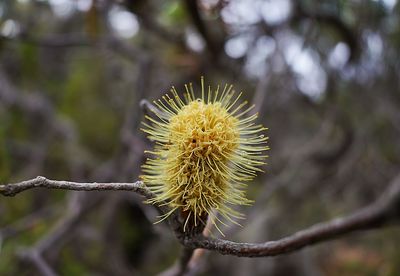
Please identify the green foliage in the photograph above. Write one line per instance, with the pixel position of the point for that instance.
(4, 152)
(173, 12)
(71, 264)
(85, 101)
(29, 62)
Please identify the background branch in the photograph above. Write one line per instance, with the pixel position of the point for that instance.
(37, 260)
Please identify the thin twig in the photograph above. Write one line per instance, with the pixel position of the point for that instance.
(42, 182)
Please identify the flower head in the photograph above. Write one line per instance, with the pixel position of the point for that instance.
(206, 149)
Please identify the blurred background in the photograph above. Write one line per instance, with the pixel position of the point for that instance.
(324, 76)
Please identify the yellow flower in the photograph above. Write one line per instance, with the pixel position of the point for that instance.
(206, 148)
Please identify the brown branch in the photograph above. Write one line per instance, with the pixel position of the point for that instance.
(42, 182)
(383, 212)
(194, 12)
(109, 42)
(54, 40)
(185, 258)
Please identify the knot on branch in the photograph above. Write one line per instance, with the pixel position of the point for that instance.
(8, 190)
(186, 229)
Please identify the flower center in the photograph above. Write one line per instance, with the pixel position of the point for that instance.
(204, 130)
(202, 137)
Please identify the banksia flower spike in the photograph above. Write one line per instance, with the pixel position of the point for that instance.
(206, 149)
